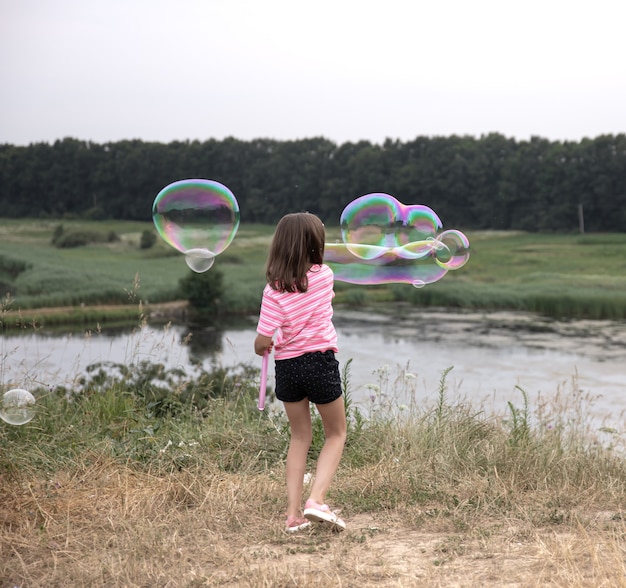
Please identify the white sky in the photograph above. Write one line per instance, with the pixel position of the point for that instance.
(164, 70)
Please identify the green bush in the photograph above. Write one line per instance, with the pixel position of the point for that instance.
(204, 292)
(148, 239)
(96, 213)
(79, 239)
(58, 233)
(167, 392)
(12, 267)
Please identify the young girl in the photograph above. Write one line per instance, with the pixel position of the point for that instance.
(297, 310)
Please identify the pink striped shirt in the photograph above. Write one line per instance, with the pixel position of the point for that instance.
(301, 321)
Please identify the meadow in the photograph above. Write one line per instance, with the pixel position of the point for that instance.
(557, 275)
(140, 476)
(113, 272)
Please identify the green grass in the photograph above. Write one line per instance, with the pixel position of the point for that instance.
(105, 273)
(146, 465)
(556, 275)
(561, 276)
(132, 410)
(448, 454)
(118, 272)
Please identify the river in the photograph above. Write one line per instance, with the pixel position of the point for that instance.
(396, 358)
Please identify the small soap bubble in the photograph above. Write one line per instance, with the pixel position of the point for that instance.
(385, 241)
(17, 407)
(197, 217)
(199, 260)
(456, 249)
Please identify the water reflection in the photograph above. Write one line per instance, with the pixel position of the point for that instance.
(202, 341)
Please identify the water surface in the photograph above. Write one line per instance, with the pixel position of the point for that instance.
(492, 356)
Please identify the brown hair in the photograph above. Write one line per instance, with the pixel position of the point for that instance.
(298, 243)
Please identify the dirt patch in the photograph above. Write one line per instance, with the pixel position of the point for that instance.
(109, 526)
(385, 551)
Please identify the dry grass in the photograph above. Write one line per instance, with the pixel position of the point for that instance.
(108, 524)
(99, 491)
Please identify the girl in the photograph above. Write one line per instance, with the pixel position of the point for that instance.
(297, 309)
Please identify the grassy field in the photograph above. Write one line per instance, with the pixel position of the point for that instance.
(556, 275)
(114, 272)
(143, 478)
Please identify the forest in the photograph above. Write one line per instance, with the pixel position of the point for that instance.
(487, 183)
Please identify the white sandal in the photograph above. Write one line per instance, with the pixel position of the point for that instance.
(321, 513)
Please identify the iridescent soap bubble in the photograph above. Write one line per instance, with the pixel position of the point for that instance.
(17, 407)
(385, 241)
(197, 217)
(379, 219)
(199, 260)
(453, 251)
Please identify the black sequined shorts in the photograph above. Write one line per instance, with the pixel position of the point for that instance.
(313, 375)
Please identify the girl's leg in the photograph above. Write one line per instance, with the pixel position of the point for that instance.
(334, 420)
(299, 415)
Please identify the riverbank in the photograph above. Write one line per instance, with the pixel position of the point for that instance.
(113, 486)
(494, 355)
(92, 317)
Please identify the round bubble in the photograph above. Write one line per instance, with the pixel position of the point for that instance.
(17, 407)
(198, 218)
(385, 241)
(455, 249)
(199, 260)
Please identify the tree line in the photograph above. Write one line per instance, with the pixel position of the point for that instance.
(491, 182)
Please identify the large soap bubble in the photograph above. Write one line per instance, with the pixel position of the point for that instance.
(17, 407)
(385, 241)
(199, 218)
(379, 219)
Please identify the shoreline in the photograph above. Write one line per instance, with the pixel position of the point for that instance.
(76, 317)
(601, 339)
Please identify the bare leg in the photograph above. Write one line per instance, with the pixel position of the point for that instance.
(299, 416)
(334, 420)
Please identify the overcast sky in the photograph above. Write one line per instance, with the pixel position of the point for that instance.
(164, 70)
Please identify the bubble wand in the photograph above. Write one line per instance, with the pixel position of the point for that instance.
(263, 385)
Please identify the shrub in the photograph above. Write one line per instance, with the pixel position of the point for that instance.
(69, 240)
(204, 292)
(95, 213)
(148, 239)
(79, 239)
(58, 233)
(12, 267)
